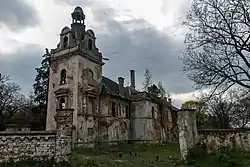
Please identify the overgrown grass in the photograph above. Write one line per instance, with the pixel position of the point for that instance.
(224, 157)
(125, 155)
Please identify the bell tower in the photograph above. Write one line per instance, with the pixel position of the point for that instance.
(75, 72)
(77, 26)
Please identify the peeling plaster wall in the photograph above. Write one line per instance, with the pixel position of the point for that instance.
(114, 128)
(188, 135)
(145, 127)
(86, 119)
(70, 65)
(215, 138)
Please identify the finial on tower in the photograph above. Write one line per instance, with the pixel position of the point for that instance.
(78, 15)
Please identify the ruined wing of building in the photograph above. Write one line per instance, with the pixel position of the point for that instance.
(103, 110)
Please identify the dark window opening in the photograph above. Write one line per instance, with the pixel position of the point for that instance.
(113, 109)
(127, 112)
(65, 42)
(93, 106)
(90, 132)
(63, 77)
(62, 103)
(161, 114)
(120, 110)
(90, 44)
(153, 112)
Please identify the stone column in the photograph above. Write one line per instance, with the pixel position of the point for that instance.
(188, 134)
(64, 126)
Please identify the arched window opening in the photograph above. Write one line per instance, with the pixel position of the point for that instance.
(127, 112)
(90, 74)
(153, 112)
(90, 43)
(63, 77)
(65, 42)
(113, 109)
(62, 103)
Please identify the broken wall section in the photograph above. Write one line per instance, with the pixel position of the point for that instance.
(188, 134)
(150, 121)
(213, 139)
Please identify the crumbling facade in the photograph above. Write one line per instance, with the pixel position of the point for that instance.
(103, 109)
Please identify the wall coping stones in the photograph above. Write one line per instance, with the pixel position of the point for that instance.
(186, 109)
(27, 133)
(206, 131)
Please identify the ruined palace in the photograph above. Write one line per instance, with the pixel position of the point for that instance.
(103, 109)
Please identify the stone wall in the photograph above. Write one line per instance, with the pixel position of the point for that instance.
(187, 126)
(210, 139)
(40, 145)
(24, 145)
(213, 139)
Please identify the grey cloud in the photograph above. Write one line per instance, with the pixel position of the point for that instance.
(21, 66)
(82, 3)
(133, 44)
(17, 14)
(140, 48)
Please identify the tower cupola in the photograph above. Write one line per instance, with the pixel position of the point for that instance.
(77, 26)
(78, 15)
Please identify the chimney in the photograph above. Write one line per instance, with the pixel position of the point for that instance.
(170, 101)
(132, 79)
(121, 85)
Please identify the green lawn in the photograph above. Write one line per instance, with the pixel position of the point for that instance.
(157, 156)
(128, 156)
(140, 155)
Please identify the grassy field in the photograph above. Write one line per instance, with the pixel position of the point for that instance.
(158, 156)
(126, 155)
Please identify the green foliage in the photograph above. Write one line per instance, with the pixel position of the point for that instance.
(42, 79)
(223, 157)
(38, 121)
(154, 91)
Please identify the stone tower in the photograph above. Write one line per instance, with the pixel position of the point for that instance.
(75, 71)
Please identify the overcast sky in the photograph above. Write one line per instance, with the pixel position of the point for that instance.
(132, 34)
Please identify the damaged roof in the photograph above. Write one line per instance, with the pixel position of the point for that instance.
(112, 88)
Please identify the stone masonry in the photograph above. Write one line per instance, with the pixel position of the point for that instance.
(210, 139)
(188, 135)
(23, 145)
(40, 145)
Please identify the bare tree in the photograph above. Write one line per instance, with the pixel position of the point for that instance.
(148, 80)
(11, 100)
(241, 112)
(231, 110)
(218, 44)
